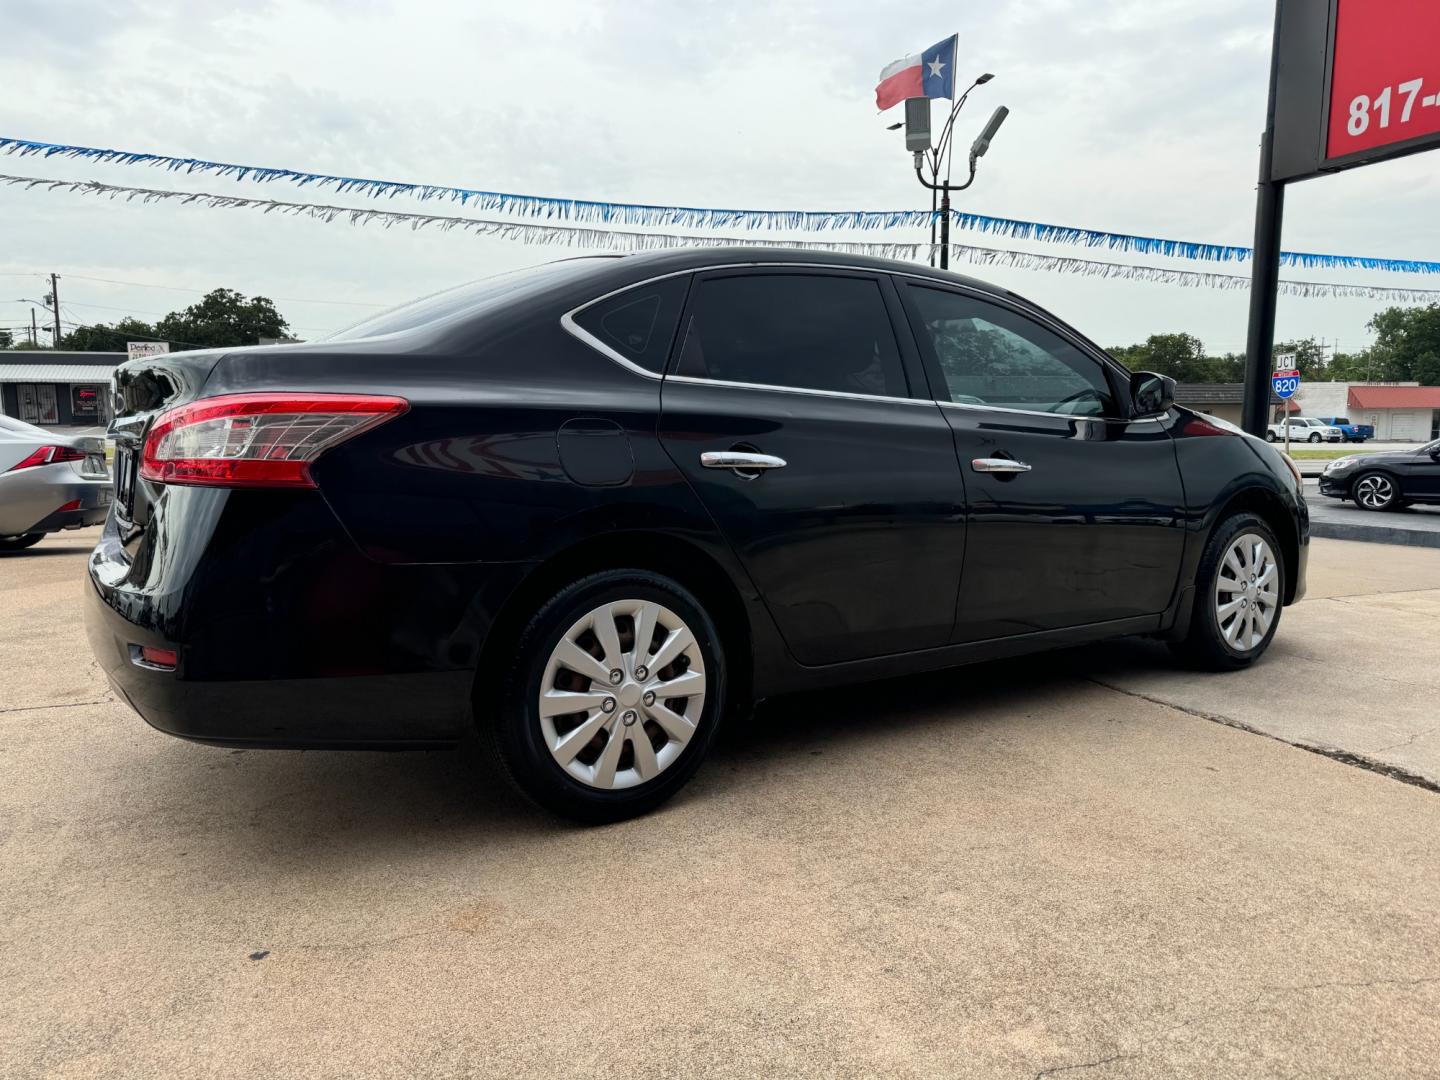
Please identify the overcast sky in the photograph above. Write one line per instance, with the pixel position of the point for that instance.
(1136, 116)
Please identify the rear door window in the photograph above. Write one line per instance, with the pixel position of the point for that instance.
(828, 332)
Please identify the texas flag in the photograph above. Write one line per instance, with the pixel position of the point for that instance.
(930, 74)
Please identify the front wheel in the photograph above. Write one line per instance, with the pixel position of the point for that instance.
(1239, 591)
(20, 543)
(1270, 436)
(1375, 491)
(616, 692)
(1315, 436)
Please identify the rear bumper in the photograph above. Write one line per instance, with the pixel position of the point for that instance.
(286, 636)
(402, 711)
(72, 519)
(54, 499)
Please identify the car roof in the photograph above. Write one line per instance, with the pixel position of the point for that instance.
(639, 265)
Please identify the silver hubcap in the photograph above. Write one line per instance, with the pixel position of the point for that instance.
(1247, 592)
(1374, 492)
(622, 694)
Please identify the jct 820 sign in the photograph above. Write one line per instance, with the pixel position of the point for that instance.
(1385, 74)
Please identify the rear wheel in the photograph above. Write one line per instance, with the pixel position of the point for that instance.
(1375, 491)
(616, 693)
(19, 543)
(1238, 595)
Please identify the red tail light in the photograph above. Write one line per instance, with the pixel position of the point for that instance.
(257, 440)
(49, 455)
(165, 658)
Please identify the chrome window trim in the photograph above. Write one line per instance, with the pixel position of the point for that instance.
(972, 407)
(691, 380)
(567, 320)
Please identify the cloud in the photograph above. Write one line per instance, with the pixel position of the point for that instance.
(1134, 115)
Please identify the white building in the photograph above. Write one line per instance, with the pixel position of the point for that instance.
(1399, 412)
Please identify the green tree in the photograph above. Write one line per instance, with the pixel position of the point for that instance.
(1181, 356)
(108, 338)
(6, 339)
(1349, 367)
(1407, 345)
(223, 318)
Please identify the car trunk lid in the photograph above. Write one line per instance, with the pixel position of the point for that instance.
(143, 389)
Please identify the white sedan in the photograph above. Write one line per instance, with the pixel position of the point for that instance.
(48, 482)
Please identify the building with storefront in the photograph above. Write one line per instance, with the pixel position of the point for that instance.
(1399, 412)
(58, 389)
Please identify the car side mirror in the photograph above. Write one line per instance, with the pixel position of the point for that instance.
(1151, 394)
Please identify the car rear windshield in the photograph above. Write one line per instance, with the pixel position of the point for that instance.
(465, 299)
(1340, 420)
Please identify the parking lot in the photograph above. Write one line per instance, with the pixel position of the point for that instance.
(1088, 861)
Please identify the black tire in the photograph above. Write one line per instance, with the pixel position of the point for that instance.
(514, 735)
(20, 543)
(1315, 436)
(1204, 645)
(1387, 492)
(1270, 436)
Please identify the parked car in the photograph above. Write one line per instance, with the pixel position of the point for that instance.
(1386, 481)
(1304, 429)
(586, 508)
(48, 482)
(1357, 433)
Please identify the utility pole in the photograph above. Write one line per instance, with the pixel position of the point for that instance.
(55, 306)
(34, 329)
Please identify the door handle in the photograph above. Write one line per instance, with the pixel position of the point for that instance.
(741, 461)
(998, 465)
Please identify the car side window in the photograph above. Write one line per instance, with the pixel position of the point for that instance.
(638, 323)
(804, 331)
(990, 355)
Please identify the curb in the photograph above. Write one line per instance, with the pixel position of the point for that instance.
(1374, 534)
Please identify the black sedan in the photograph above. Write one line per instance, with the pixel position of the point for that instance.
(587, 509)
(1387, 481)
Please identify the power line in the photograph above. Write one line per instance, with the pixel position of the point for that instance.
(134, 311)
(181, 288)
(187, 289)
(128, 334)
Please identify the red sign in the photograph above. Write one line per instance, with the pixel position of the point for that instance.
(1385, 87)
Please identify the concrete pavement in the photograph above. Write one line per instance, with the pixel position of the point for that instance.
(1352, 670)
(1002, 871)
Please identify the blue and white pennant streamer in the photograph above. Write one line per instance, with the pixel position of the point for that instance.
(646, 214)
(576, 236)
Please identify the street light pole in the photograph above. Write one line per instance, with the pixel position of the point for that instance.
(977, 151)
